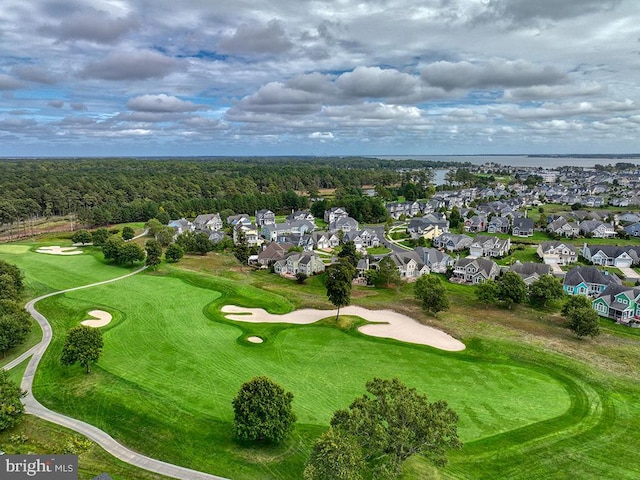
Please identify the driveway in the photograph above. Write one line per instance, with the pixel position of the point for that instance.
(629, 273)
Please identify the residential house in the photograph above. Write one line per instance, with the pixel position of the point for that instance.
(346, 224)
(265, 217)
(325, 240)
(610, 255)
(477, 223)
(251, 234)
(629, 217)
(300, 215)
(217, 236)
(409, 264)
(633, 229)
(522, 227)
(485, 246)
(530, 271)
(563, 228)
(429, 226)
(271, 253)
(475, 270)
(588, 281)
(363, 239)
(334, 213)
(620, 303)
(240, 219)
(453, 242)
(434, 259)
(597, 229)
(556, 252)
(499, 225)
(296, 227)
(307, 263)
(399, 209)
(210, 222)
(181, 226)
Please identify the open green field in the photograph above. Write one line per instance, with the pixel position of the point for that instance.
(533, 401)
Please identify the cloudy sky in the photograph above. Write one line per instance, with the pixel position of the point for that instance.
(305, 77)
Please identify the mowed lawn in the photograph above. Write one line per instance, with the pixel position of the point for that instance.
(45, 273)
(172, 365)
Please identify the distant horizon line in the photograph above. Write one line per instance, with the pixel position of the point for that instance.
(533, 155)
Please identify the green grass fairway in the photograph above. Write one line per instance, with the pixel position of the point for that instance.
(169, 356)
(45, 273)
(534, 402)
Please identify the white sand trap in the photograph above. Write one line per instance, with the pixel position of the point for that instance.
(56, 250)
(254, 339)
(391, 324)
(101, 318)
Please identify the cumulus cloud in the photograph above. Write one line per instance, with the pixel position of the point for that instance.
(321, 135)
(545, 92)
(92, 25)
(56, 103)
(137, 65)
(526, 11)
(35, 74)
(276, 98)
(374, 82)
(257, 39)
(9, 83)
(162, 103)
(495, 73)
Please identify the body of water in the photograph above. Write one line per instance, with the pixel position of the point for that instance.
(520, 160)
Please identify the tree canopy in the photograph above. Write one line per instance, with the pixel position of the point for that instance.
(386, 426)
(387, 273)
(11, 407)
(338, 279)
(82, 345)
(153, 250)
(546, 288)
(262, 411)
(430, 291)
(15, 324)
(583, 320)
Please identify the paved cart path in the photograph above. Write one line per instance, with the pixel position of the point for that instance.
(33, 407)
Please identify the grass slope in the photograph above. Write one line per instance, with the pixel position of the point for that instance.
(534, 402)
(169, 356)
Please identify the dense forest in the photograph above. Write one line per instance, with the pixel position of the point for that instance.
(104, 191)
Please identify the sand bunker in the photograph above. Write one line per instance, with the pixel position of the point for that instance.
(391, 324)
(254, 339)
(56, 250)
(101, 318)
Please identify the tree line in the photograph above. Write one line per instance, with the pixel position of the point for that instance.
(104, 191)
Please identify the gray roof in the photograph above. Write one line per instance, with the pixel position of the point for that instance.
(578, 275)
(529, 268)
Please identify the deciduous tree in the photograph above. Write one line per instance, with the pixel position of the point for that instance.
(394, 422)
(83, 345)
(128, 233)
(154, 253)
(11, 407)
(511, 289)
(15, 324)
(546, 288)
(338, 279)
(81, 236)
(335, 456)
(173, 253)
(262, 411)
(432, 293)
(99, 237)
(387, 273)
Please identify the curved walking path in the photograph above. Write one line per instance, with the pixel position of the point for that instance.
(102, 438)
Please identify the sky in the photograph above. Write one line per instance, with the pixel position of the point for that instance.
(305, 77)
